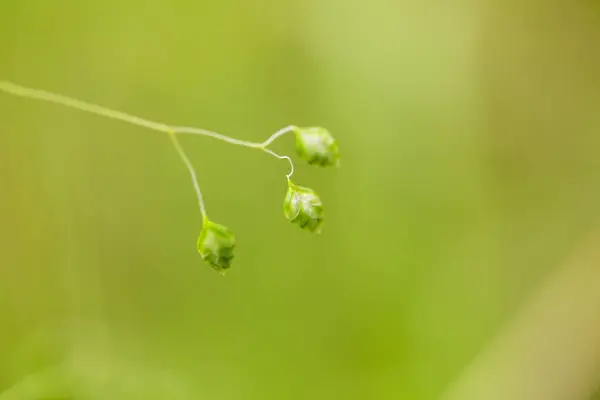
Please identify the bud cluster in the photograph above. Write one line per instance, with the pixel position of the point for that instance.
(301, 206)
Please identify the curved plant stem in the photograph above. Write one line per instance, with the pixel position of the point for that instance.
(190, 168)
(36, 94)
(271, 152)
(278, 134)
(21, 91)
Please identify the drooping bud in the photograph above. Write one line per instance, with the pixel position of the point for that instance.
(302, 206)
(317, 146)
(215, 245)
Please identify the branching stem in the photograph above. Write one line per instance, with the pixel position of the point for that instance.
(17, 90)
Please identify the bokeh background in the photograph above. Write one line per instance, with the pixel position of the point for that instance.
(469, 133)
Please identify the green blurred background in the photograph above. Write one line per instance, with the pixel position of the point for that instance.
(470, 168)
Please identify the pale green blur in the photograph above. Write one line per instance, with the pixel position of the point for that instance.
(469, 137)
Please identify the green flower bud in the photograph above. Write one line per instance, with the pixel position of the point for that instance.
(302, 206)
(215, 245)
(317, 146)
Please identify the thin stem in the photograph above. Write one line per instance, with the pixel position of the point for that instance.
(36, 94)
(190, 168)
(215, 135)
(278, 134)
(42, 95)
(271, 152)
